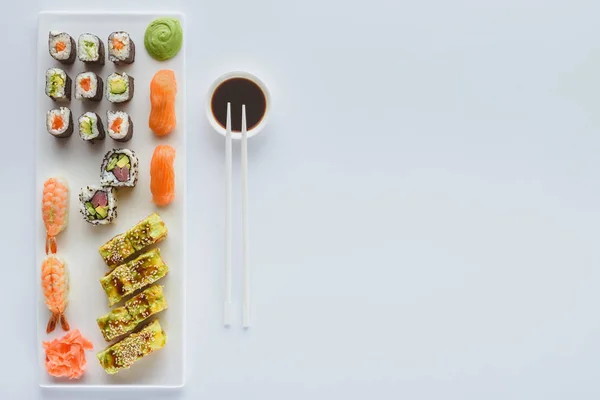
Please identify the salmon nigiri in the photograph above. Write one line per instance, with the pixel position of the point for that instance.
(55, 282)
(162, 175)
(55, 210)
(163, 89)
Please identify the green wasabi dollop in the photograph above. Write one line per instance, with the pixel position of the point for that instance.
(163, 38)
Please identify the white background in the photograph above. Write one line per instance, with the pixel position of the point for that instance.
(424, 202)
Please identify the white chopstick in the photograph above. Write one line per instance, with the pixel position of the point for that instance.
(245, 263)
(228, 218)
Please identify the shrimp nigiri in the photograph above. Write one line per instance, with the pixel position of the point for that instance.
(55, 210)
(163, 89)
(162, 175)
(55, 282)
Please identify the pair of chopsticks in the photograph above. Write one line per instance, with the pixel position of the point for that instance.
(228, 222)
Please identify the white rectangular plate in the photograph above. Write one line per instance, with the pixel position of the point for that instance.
(79, 163)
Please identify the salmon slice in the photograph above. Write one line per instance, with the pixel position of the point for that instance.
(163, 89)
(162, 175)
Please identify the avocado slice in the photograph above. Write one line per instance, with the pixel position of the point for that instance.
(56, 81)
(86, 126)
(123, 161)
(102, 211)
(90, 208)
(112, 163)
(89, 47)
(118, 86)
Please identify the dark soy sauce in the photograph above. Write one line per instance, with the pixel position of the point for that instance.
(238, 91)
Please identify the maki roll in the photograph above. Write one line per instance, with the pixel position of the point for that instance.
(89, 86)
(119, 87)
(119, 125)
(58, 85)
(90, 49)
(98, 205)
(121, 49)
(119, 168)
(59, 122)
(132, 348)
(90, 127)
(62, 47)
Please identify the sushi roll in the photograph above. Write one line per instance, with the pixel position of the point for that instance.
(119, 125)
(59, 122)
(121, 49)
(119, 168)
(89, 86)
(119, 87)
(90, 127)
(98, 205)
(90, 49)
(58, 85)
(62, 47)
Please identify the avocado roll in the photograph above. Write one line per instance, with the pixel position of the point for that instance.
(134, 275)
(119, 87)
(148, 231)
(59, 122)
(98, 205)
(124, 353)
(90, 127)
(124, 319)
(121, 49)
(119, 168)
(119, 125)
(58, 85)
(61, 47)
(90, 49)
(88, 86)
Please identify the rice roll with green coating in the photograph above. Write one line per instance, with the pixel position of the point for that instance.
(58, 85)
(119, 168)
(121, 49)
(119, 87)
(59, 122)
(90, 127)
(98, 205)
(90, 49)
(124, 319)
(124, 353)
(88, 86)
(149, 231)
(61, 47)
(134, 275)
(119, 125)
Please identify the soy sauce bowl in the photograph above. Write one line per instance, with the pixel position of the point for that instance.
(220, 128)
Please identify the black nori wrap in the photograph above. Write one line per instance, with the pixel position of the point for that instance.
(99, 125)
(72, 56)
(101, 55)
(129, 133)
(69, 131)
(128, 60)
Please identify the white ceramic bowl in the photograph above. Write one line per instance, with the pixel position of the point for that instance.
(238, 74)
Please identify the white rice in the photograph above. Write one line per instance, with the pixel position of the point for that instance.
(95, 131)
(117, 98)
(64, 113)
(87, 193)
(55, 37)
(110, 118)
(122, 54)
(107, 178)
(60, 92)
(82, 94)
(82, 51)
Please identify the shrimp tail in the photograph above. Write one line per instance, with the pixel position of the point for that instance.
(50, 244)
(63, 323)
(52, 323)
